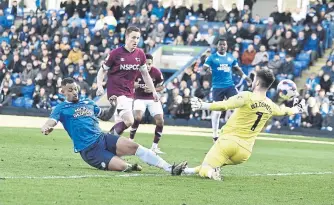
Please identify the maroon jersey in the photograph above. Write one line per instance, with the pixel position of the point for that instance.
(157, 79)
(123, 68)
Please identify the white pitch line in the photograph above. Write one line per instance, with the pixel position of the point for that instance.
(156, 175)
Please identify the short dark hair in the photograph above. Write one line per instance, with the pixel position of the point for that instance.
(149, 56)
(266, 77)
(131, 29)
(221, 39)
(66, 81)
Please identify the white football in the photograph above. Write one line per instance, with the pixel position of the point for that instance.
(287, 89)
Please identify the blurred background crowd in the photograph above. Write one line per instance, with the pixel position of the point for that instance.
(42, 47)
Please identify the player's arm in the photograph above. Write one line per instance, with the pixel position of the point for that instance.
(47, 128)
(232, 103)
(283, 111)
(241, 73)
(160, 81)
(159, 88)
(207, 64)
(106, 114)
(101, 74)
(148, 80)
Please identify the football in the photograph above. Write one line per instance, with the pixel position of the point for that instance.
(287, 89)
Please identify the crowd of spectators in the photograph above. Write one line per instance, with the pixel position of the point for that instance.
(46, 46)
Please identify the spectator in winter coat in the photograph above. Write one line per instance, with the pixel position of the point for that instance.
(286, 71)
(311, 46)
(275, 64)
(248, 56)
(69, 6)
(159, 10)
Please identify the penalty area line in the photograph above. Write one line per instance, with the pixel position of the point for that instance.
(156, 175)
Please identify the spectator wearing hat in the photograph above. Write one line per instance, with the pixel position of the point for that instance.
(257, 43)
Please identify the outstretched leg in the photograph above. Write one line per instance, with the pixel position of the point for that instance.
(126, 147)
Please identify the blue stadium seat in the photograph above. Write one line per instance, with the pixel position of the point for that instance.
(282, 55)
(18, 102)
(297, 68)
(244, 46)
(168, 40)
(61, 12)
(28, 102)
(271, 54)
(91, 22)
(10, 21)
(303, 57)
(8, 11)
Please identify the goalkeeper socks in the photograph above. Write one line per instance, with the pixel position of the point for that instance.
(134, 128)
(215, 116)
(150, 158)
(118, 128)
(191, 171)
(157, 133)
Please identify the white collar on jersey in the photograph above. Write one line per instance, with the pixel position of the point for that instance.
(221, 54)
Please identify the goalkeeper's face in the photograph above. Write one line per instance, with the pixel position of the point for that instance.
(71, 92)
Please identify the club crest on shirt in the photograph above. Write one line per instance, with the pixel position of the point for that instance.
(137, 59)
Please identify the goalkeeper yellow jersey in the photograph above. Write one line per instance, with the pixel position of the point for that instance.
(252, 111)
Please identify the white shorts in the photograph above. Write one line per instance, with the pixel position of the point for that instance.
(155, 108)
(124, 104)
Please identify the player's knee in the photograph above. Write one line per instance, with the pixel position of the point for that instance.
(159, 121)
(132, 147)
(138, 117)
(129, 121)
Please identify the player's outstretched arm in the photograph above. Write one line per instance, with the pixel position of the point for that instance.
(148, 81)
(232, 103)
(106, 114)
(281, 111)
(48, 126)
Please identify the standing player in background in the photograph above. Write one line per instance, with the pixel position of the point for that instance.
(123, 65)
(98, 149)
(252, 111)
(144, 100)
(221, 64)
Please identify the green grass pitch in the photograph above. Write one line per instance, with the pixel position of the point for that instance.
(37, 169)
